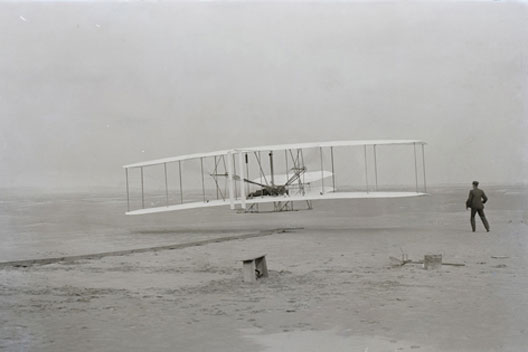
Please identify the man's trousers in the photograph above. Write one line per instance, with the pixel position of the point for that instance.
(482, 217)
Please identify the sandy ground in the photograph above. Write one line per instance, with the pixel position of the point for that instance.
(331, 286)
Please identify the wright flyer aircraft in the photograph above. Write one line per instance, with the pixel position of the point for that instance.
(278, 177)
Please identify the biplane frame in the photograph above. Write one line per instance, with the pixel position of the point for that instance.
(232, 186)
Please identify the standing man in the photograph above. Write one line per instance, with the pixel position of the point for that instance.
(475, 201)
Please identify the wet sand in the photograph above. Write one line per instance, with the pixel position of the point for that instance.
(331, 285)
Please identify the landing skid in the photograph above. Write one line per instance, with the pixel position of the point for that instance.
(277, 207)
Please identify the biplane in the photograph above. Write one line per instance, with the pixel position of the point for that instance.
(287, 177)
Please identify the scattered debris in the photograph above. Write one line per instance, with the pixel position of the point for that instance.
(399, 262)
(395, 262)
(500, 266)
(432, 261)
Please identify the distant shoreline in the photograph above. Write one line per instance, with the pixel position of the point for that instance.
(121, 190)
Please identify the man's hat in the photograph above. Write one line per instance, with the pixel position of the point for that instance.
(475, 183)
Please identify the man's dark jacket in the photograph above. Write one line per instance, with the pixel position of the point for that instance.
(476, 199)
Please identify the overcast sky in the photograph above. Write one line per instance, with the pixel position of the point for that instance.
(86, 88)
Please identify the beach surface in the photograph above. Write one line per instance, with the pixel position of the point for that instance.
(332, 285)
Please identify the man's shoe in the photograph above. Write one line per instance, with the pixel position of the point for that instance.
(487, 230)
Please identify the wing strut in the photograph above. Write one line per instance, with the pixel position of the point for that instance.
(243, 172)
(333, 171)
(286, 160)
(322, 172)
(375, 167)
(215, 177)
(181, 187)
(166, 183)
(366, 169)
(203, 181)
(142, 194)
(226, 181)
(230, 173)
(271, 169)
(415, 167)
(301, 155)
(234, 173)
(423, 164)
(127, 190)
(247, 171)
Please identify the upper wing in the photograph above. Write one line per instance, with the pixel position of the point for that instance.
(176, 158)
(332, 144)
